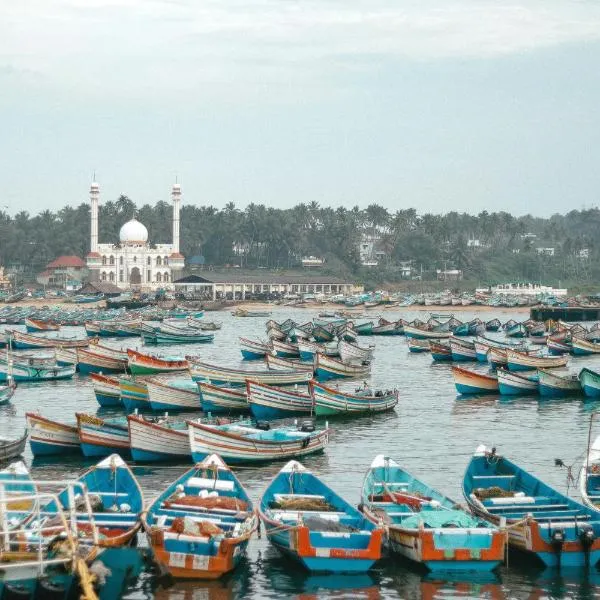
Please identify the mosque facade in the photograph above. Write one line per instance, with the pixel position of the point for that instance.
(134, 263)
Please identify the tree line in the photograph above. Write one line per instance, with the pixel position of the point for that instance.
(488, 247)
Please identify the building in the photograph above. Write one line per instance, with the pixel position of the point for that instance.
(370, 250)
(545, 251)
(312, 261)
(449, 274)
(65, 272)
(134, 262)
(236, 285)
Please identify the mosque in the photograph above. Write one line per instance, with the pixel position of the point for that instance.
(134, 263)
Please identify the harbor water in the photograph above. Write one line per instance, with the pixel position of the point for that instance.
(432, 433)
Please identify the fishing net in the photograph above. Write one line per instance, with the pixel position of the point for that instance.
(492, 492)
(95, 503)
(210, 502)
(319, 524)
(298, 504)
(188, 526)
(440, 518)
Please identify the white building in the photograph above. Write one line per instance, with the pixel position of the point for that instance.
(134, 262)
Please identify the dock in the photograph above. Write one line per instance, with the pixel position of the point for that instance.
(567, 313)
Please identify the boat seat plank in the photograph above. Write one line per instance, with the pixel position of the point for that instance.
(166, 520)
(526, 507)
(480, 477)
(223, 512)
(552, 517)
(279, 497)
(209, 484)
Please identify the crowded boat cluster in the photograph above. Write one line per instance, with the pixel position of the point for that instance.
(289, 400)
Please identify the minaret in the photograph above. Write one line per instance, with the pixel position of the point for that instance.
(94, 198)
(176, 196)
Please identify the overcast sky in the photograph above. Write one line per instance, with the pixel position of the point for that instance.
(441, 105)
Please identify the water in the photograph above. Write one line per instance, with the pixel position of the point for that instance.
(431, 433)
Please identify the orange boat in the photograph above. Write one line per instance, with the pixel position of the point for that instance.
(149, 364)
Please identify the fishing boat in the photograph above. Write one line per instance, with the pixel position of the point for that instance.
(385, 327)
(219, 399)
(518, 330)
(107, 389)
(461, 329)
(134, 394)
(7, 391)
(160, 335)
(521, 361)
(29, 341)
(492, 325)
(245, 444)
(418, 346)
(242, 312)
(497, 357)
(482, 349)
(473, 382)
(332, 401)
(200, 526)
(558, 348)
(267, 402)
(589, 477)
(101, 361)
(30, 369)
(252, 349)
(150, 364)
(116, 500)
(285, 349)
(540, 520)
(11, 448)
(65, 356)
(440, 351)
(306, 520)
(581, 347)
(102, 437)
(327, 367)
(349, 352)
(201, 371)
(47, 436)
(364, 328)
(552, 385)
(425, 526)
(308, 350)
(590, 382)
(515, 384)
(462, 350)
(323, 334)
(421, 333)
(157, 439)
(287, 364)
(37, 325)
(180, 395)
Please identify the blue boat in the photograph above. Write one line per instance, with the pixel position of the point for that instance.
(516, 384)
(116, 512)
(267, 402)
(590, 382)
(541, 521)
(462, 350)
(306, 520)
(101, 437)
(200, 526)
(518, 330)
(552, 385)
(106, 389)
(425, 526)
(440, 351)
(462, 329)
(252, 349)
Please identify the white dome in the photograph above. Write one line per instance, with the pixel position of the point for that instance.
(133, 232)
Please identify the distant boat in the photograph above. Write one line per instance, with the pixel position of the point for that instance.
(32, 369)
(285, 349)
(327, 367)
(267, 402)
(306, 520)
(106, 389)
(581, 347)
(7, 391)
(167, 395)
(139, 363)
(521, 361)
(418, 346)
(157, 439)
(473, 382)
(252, 349)
(36, 325)
(462, 350)
(11, 448)
(94, 360)
(440, 351)
(589, 477)
(332, 401)
(590, 382)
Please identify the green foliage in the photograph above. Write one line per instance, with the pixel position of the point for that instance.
(275, 238)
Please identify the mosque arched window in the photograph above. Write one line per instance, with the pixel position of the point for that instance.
(135, 259)
(158, 261)
(166, 278)
(149, 261)
(103, 276)
(104, 260)
(166, 260)
(158, 278)
(111, 260)
(111, 277)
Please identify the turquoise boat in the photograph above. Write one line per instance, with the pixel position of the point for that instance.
(34, 370)
(590, 382)
(425, 526)
(267, 402)
(552, 385)
(200, 525)
(516, 384)
(542, 522)
(307, 521)
(217, 399)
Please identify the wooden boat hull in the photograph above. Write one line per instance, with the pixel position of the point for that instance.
(513, 384)
(555, 386)
(107, 390)
(92, 362)
(169, 397)
(134, 394)
(99, 438)
(285, 350)
(590, 382)
(462, 352)
(330, 402)
(216, 399)
(518, 361)
(253, 350)
(424, 334)
(206, 440)
(150, 442)
(440, 352)
(472, 382)
(330, 368)
(23, 372)
(267, 403)
(145, 364)
(27, 341)
(48, 437)
(581, 347)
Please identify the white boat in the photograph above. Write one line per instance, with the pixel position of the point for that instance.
(589, 478)
(169, 396)
(285, 364)
(155, 439)
(349, 351)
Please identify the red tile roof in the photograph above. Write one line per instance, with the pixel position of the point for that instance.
(66, 261)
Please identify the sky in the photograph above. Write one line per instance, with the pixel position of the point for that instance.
(440, 105)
